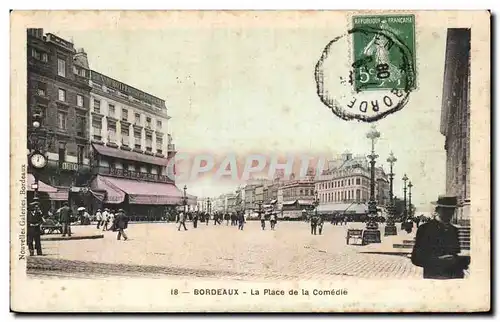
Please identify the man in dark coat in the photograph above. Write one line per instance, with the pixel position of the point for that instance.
(35, 219)
(314, 222)
(436, 246)
(65, 219)
(121, 223)
(195, 219)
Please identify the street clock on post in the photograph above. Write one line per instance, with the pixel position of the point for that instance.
(38, 160)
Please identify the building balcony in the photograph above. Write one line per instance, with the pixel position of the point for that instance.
(81, 79)
(126, 174)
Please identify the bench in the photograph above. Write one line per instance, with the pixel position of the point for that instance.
(356, 235)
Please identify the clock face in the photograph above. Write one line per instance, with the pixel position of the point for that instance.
(38, 160)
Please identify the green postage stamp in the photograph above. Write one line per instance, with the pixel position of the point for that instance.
(384, 52)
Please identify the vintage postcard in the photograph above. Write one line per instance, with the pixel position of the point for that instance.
(250, 161)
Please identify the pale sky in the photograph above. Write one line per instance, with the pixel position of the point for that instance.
(240, 90)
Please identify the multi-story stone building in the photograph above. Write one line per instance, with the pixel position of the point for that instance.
(455, 120)
(345, 186)
(58, 90)
(249, 198)
(132, 149)
(298, 196)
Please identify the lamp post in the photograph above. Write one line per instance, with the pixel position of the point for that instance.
(410, 185)
(316, 202)
(390, 227)
(37, 159)
(372, 234)
(185, 199)
(405, 213)
(209, 204)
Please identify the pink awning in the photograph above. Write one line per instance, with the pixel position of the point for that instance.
(144, 192)
(113, 194)
(42, 187)
(129, 155)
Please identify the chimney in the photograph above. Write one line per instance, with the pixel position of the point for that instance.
(35, 32)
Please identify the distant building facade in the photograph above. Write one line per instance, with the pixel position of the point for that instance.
(347, 182)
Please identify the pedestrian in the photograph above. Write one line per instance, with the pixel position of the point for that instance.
(207, 218)
(98, 217)
(314, 221)
(320, 224)
(226, 218)
(65, 219)
(121, 223)
(111, 219)
(272, 220)
(35, 220)
(241, 220)
(263, 221)
(105, 219)
(436, 245)
(182, 221)
(345, 220)
(195, 220)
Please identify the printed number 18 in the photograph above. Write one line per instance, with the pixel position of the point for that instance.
(174, 291)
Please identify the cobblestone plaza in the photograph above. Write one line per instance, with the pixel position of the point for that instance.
(290, 252)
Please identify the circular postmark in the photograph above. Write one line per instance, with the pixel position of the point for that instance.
(372, 82)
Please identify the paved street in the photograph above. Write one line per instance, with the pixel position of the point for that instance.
(158, 249)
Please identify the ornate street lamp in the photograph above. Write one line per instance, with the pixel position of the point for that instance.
(316, 202)
(390, 228)
(405, 213)
(371, 234)
(209, 205)
(185, 199)
(409, 199)
(37, 159)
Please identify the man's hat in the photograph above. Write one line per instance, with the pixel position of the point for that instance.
(35, 202)
(446, 202)
(121, 210)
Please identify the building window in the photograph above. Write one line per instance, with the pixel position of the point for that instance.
(358, 181)
(35, 53)
(45, 57)
(62, 95)
(41, 89)
(111, 110)
(62, 152)
(148, 122)
(137, 118)
(79, 156)
(61, 120)
(97, 106)
(159, 145)
(111, 132)
(96, 129)
(81, 125)
(124, 114)
(79, 100)
(137, 139)
(61, 67)
(125, 137)
(149, 142)
(158, 124)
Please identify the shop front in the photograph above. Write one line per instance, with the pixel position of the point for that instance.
(142, 200)
(51, 198)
